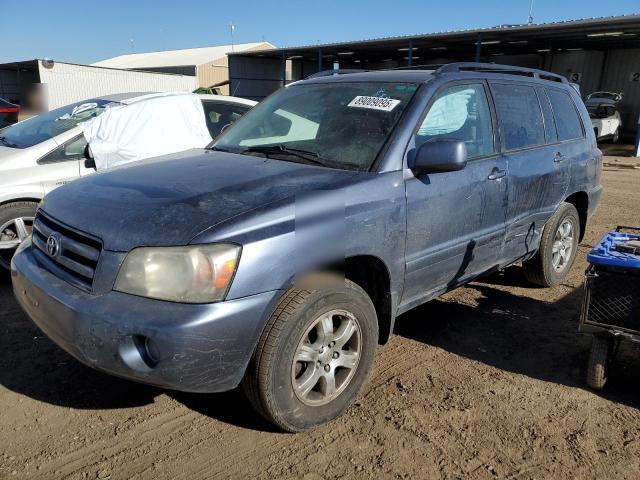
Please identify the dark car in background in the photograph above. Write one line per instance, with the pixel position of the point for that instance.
(280, 256)
(8, 113)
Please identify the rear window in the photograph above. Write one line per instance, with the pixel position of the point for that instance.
(564, 111)
(520, 115)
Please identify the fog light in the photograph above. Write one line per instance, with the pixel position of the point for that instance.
(139, 353)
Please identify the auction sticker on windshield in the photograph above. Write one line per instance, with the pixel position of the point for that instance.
(374, 103)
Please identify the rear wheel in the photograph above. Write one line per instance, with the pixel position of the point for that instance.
(16, 221)
(314, 355)
(557, 251)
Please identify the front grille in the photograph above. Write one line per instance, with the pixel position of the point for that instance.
(76, 257)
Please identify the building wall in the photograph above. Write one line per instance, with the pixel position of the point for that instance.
(254, 78)
(609, 70)
(620, 66)
(15, 82)
(67, 83)
(213, 72)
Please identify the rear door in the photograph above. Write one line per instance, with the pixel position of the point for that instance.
(538, 171)
(455, 220)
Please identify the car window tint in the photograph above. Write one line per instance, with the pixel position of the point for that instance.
(519, 115)
(218, 115)
(345, 124)
(70, 150)
(460, 112)
(567, 119)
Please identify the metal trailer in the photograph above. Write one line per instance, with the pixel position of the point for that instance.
(611, 307)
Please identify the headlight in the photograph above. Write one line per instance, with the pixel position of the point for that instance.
(191, 274)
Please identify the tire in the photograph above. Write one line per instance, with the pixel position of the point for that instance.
(272, 372)
(541, 268)
(598, 361)
(8, 214)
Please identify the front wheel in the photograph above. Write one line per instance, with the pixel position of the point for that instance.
(16, 220)
(557, 251)
(314, 356)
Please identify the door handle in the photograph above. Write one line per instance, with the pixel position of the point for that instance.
(558, 157)
(497, 174)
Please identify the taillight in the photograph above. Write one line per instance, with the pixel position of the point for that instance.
(9, 109)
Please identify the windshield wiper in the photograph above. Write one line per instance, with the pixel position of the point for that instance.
(8, 143)
(306, 155)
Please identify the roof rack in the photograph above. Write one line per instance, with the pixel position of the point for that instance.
(504, 69)
(338, 71)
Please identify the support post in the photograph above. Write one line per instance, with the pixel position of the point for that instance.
(410, 56)
(319, 59)
(284, 69)
(478, 48)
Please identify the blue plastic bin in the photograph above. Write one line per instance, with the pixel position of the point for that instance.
(605, 253)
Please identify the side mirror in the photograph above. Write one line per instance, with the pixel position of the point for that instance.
(89, 161)
(440, 156)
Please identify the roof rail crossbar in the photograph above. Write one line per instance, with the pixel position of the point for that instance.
(497, 68)
(338, 71)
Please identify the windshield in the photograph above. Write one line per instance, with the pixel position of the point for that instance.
(47, 125)
(601, 111)
(339, 125)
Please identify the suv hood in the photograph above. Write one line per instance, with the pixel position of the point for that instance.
(169, 200)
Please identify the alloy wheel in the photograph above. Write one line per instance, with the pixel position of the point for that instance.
(562, 245)
(12, 234)
(326, 358)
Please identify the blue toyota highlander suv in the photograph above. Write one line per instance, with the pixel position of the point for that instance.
(280, 256)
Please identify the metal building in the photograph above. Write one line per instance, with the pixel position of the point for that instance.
(66, 83)
(208, 64)
(597, 53)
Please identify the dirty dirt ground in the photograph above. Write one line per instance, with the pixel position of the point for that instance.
(486, 382)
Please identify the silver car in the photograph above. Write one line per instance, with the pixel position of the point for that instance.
(46, 151)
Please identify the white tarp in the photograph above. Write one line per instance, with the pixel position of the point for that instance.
(145, 127)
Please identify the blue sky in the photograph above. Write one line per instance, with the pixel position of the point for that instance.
(87, 31)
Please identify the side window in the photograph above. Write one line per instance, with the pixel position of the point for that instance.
(519, 115)
(70, 150)
(460, 112)
(218, 115)
(564, 110)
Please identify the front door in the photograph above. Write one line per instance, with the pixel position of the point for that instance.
(455, 220)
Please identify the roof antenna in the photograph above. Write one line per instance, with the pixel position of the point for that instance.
(131, 44)
(530, 20)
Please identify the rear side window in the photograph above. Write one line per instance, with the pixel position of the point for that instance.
(519, 114)
(568, 122)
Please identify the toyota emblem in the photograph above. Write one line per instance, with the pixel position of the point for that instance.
(53, 245)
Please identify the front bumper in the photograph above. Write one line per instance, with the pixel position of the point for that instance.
(195, 348)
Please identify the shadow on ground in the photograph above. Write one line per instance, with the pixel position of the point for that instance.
(513, 333)
(520, 334)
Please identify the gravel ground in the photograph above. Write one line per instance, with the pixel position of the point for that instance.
(485, 382)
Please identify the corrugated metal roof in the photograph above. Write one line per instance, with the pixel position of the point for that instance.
(524, 28)
(176, 58)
